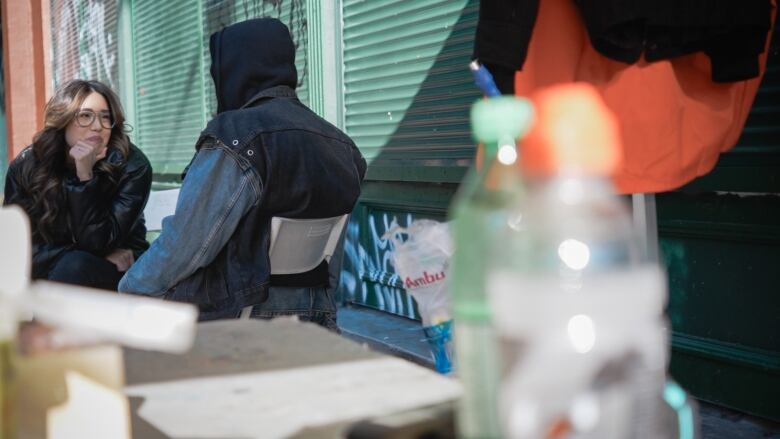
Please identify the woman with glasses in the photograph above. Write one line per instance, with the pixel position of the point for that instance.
(84, 187)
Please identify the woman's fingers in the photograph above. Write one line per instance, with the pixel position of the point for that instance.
(130, 258)
(84, 156)
(122, 258)
(85, 147)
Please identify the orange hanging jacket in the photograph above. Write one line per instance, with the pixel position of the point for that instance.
(674, 120)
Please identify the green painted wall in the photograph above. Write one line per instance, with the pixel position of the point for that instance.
(172, 90)
(407, 95)
(720, 238)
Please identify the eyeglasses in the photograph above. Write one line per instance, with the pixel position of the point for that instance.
(85, 118)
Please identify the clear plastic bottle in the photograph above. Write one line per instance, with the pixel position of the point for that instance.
(15, 263)
(478, 209)
(578, 311)
(6, 387)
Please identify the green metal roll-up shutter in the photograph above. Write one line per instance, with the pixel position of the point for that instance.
(218, 14)
(174, 92)
(170, 97)
(84, 41)
(407, 86)
(407, 97)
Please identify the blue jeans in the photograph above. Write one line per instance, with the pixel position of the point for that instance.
(78, 267)
(316, 305)
(310, 304)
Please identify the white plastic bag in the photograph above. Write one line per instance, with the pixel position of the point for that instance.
(422, 261)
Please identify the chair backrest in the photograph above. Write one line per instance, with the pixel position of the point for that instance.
(297, 245)
(300, 245)
(159, 205)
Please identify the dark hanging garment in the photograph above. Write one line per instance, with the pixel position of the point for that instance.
(731, 33)
(501, 41)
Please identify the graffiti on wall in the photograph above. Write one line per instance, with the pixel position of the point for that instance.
(368, 276)
(96, 58)
(84, 40)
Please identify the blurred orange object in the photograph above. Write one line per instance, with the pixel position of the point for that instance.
(674, 120)
(575, 133)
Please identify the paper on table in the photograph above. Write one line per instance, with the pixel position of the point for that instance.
(281, 402)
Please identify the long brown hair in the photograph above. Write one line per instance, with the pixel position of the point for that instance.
(51, 151)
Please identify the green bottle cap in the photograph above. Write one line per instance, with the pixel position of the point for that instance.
(500, 118)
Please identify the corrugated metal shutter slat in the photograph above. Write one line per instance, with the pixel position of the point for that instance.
(169, 98)
(358, 13)
(175, 94)
(407, 86)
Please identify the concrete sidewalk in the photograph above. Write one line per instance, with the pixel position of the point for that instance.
(404, 338)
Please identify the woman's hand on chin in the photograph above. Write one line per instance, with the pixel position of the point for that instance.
(85, 155)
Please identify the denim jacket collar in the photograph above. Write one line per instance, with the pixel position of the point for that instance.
(279, 91)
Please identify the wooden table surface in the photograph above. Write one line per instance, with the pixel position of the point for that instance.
(280, 378)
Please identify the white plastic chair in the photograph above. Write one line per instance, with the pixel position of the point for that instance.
(159, 205)
(300, 245)
(297, 245)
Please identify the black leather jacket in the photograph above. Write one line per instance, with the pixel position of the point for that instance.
(98, 217)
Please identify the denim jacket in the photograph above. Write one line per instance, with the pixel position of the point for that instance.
(274, 157)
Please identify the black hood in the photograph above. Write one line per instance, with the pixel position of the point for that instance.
(249, 57)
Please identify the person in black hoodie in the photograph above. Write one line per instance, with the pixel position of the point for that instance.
(84, 187)
(265, 154)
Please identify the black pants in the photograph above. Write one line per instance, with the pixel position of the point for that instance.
(83, 268)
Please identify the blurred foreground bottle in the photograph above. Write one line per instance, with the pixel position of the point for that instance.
(14, 279)
(577, 309)
(6, 375)
(478, 208)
